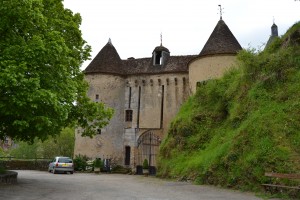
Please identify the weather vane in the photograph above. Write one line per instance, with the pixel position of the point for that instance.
(221, 11)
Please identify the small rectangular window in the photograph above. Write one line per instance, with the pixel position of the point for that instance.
(128, 117)
(97, 98)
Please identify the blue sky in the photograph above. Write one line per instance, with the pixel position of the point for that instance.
(134, 26)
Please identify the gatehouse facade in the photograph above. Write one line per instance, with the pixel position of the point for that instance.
(146, 94)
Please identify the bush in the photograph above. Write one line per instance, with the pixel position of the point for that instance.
(120, 170)
(2, 168)
(145, 164)
(98, 163)
(26, 164)
(80, 162)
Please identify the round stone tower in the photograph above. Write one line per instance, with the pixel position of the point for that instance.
(106, 84)
(217, 55)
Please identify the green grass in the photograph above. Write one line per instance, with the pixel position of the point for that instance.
(236, 128)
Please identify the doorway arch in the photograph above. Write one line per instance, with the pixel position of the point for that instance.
(147, 148)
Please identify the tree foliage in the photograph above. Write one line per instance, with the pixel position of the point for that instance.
(62, 144)
(59, 145)
(42, 88)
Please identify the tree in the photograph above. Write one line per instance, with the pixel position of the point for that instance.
(42, 88)
(25, 150)
(59, 145)
(62, 144)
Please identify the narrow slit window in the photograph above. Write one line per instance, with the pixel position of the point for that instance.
(129, 98)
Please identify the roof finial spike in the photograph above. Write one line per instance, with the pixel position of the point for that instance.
(109, 41)
(273, 20)
(160, 39)
(221, 11)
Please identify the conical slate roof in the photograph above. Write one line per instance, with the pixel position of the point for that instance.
(221, 41)
(106, 61)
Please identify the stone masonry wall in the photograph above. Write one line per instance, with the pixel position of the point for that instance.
(108, 89)
(209, 67)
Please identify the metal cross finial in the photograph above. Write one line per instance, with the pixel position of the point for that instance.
(221, 11)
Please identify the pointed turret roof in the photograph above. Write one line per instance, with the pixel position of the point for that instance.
(221, 41)
(106, 61)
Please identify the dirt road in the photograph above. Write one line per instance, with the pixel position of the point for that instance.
(36, 185)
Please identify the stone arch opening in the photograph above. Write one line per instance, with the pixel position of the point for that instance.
(147, 148)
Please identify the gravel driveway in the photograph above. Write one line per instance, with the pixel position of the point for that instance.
(36, 185)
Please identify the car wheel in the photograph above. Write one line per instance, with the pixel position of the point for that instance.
(71, 172)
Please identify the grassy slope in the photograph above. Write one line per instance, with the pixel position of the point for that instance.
(236, 128)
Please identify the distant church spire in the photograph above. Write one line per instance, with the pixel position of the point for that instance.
(274, 33)
(221, 11)
(274, 29)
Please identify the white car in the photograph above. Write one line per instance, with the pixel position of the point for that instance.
(61, 164)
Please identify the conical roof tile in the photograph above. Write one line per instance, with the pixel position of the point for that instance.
(221, 41)
(106, 61)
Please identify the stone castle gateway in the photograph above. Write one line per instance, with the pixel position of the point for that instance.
(146, 93)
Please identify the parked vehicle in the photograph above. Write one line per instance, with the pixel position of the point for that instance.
(61, 164)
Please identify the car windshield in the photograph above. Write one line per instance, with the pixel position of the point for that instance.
(65, 160)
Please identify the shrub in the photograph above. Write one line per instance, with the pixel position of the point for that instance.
(118, 169)
(80, 162)
(145, 164)
(98, 163)
(2, 168)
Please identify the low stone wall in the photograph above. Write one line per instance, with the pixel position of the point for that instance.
(41, 165)
(10, 177)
